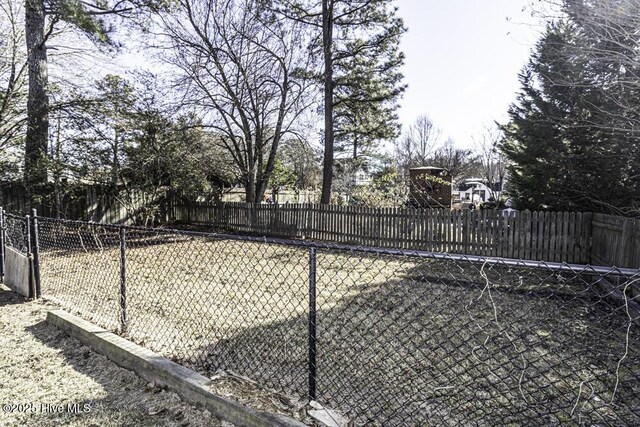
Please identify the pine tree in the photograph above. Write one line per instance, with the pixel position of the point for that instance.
(569, 139)
(41, 18)
(358, 41)
(368, 84)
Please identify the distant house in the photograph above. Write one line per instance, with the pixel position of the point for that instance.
(354, 173)
(430, 187)
(363, 177)
(477, 190)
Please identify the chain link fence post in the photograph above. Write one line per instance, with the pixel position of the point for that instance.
(312, 324)
(28, 242)
(123, 280)
(35, 250)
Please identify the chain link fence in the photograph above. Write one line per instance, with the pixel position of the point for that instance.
(383, 337)
(16, 232)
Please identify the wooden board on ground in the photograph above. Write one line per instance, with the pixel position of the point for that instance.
(17, 272)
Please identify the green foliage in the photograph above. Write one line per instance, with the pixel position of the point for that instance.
(166, 154)
(77, 13)
(119, 138)
(96, 19)
(368, 80)
(385, 190)
(356, 44)
(99, 126)
(282, 177)
(571, 138)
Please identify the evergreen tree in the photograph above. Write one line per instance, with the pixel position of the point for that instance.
(368, 84)
(41, 18)
(113, 112)
(358, 42)
(569, 139)
(94, 127)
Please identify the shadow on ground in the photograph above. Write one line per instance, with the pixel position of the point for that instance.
(432, 345)
(400, 340)
(7, 297)
(59, 381)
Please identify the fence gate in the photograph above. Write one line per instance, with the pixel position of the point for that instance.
(16, 257)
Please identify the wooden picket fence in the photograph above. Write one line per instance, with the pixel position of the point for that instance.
(548, 236)
(615, 241)
(597, 239)
(93, 203)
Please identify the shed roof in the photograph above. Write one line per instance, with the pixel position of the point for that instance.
(427, 168)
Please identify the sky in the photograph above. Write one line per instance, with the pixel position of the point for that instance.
(462, 61)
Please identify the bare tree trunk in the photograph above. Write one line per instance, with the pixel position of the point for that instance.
(250, 187)
(57, 172)
(115, 168)
(327, 43)
(35, 168)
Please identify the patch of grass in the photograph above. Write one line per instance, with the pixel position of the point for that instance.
(400, 340)
(40, 365)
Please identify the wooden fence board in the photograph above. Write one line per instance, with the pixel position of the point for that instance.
(550, 236)
(615, 241)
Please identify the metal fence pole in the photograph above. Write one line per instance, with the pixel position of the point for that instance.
(28, 230)
(123, 281)
(32, 286)
(35, 247)
(2, 243)
(312, 324)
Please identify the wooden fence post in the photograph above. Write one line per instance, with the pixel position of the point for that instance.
(465, 230)
(628, 244)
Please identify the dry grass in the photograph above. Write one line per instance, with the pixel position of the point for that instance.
(399, 339)
(41, 365)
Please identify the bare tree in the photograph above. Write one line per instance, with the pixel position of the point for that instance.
(417, 144)
(461, 163)
(492, 161)
(13, 68)
(238, 67)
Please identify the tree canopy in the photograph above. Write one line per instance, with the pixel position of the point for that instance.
(573, 134)
(358, 44)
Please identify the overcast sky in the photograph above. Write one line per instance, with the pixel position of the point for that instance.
(462, 61)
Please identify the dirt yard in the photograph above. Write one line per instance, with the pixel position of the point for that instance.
(42, 370)
(400, 341)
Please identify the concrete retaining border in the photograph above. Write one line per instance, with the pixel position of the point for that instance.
(190, 385)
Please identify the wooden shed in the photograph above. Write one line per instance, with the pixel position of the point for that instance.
(430, 187)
